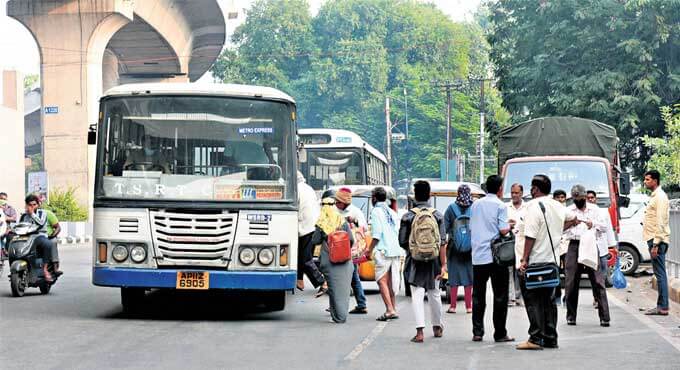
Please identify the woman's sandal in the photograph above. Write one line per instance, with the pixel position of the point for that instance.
(438, 331)
(451, 310)
(416, 339)
(321, 292)
(386, 317)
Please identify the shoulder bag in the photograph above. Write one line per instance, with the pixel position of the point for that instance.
(543, 275)
(503, 250)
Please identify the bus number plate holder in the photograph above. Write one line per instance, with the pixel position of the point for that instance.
(195, 280)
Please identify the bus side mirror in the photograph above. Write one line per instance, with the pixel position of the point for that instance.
(624, 183)
(302, 155)
(92, 135)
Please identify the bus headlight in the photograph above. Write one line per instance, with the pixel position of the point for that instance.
(246, 256)
(119, 253)
(266, 256)
(138, 254)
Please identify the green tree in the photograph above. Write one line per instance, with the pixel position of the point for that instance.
(615, 61)
(65, 206)
(341, 65)
(30, 80)
(665, 157)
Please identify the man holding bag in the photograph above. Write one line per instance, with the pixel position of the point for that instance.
(544, 220)
(582, 255)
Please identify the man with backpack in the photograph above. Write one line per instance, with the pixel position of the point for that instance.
(385, 251)
(488, 220)
(459, 258)
(423, 235)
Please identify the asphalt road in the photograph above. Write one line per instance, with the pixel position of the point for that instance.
(80, 326)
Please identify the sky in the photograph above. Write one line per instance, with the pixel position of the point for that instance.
(18, 49)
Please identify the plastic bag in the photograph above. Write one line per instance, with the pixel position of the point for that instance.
(618, 280)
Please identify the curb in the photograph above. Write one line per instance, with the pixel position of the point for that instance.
(673, 288)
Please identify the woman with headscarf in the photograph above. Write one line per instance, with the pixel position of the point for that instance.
(338, 275)
(457, 217)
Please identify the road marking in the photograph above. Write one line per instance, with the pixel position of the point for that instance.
(371, 336)
(474, 360)
(606, 335)
(366, 342)
(656, 327)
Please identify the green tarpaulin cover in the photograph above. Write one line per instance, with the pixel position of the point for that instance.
(557, 136)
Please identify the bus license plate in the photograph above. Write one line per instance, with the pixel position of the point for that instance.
(193, 280)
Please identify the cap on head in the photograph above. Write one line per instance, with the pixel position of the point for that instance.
(344, 195)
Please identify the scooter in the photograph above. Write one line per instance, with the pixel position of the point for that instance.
(26, 268)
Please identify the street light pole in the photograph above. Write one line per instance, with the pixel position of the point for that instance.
(448, 130)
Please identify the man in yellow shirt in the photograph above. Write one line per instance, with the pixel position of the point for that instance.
(656, 231)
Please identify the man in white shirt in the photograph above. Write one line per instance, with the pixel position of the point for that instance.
(308, 213)
(516, 208)
(590, 218)
(544, 220)
(605, 240)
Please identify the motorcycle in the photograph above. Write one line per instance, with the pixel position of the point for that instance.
(26, 267)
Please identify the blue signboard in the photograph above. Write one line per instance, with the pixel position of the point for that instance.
(52, 110)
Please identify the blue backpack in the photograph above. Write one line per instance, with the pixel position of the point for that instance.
(461, 241)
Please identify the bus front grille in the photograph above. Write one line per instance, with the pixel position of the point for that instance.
(192, 238)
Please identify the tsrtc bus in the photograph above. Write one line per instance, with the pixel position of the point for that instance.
(340, 157)
(195, 188)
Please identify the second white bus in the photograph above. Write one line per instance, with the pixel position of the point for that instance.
(340, 157)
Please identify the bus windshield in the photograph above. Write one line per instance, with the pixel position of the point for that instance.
(562, 174)
(196, 148)
(325, 168)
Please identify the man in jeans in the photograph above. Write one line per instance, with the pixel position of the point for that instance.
(489, 220)
(656, 231)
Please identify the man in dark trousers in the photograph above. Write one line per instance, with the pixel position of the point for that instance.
(541, 245)
(489, 220)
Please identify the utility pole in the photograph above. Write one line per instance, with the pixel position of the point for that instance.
(482, 125)
(449, 139)
(481, 134)
(388, 137)
(407, 146)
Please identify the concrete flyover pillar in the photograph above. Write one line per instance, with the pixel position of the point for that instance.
(12, 137)
(71, 37)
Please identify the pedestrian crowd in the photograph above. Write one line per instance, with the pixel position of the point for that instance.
(522, 248)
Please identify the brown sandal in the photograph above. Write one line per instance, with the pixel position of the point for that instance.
(415, 339)
(438, 331)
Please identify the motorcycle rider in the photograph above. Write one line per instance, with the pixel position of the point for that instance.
(44, 246)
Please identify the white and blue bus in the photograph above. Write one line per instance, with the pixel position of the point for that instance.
(195, 188)
(340, 157)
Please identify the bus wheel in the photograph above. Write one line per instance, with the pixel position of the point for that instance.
(131, 299)
(275, 301)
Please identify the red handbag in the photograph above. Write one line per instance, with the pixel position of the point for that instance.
(339, 247)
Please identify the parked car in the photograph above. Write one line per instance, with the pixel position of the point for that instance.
(633, 248)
